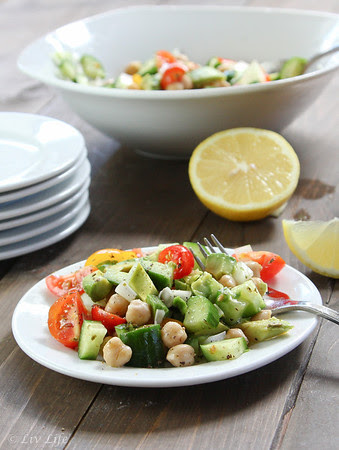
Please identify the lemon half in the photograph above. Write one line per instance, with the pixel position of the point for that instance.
(244, 174)
(315, 243)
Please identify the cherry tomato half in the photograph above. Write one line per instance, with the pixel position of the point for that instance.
(108, 320)
(271, 263)
(163, 56)
(65, 318)
(60, 285)
(172, 74)
(181, 256)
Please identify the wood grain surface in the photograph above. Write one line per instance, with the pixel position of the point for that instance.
(291, 403)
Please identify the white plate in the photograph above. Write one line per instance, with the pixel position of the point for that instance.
(48, 197)
(39, 187)
(34, 148)
(42, 226)
(46, 212)
(29, 325)
(45, 239)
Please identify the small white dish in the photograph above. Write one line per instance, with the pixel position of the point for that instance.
(48, 197)
(46, 212)
(45, 239)
(25, 232)
(39, 187)
(35, 148)
(29, 325)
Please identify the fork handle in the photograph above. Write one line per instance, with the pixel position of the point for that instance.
(319, 310)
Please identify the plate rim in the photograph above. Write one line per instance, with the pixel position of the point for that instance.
(78, 148)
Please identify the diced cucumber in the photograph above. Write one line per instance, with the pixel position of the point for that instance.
(293, 67)
(201, 315)
(92, 67)
(91, 337)
(145, 342)
(148, 67)
(224, 350)
(155, 304)
(249, 294)
(179, 303)
(193, 246)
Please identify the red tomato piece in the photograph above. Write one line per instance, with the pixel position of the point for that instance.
(65, 318)
(181, 256)
(271, 263)
(108, 320)
(172, 74)
(163, 56)
(60, 285)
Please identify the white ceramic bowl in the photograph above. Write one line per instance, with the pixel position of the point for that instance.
(172, 123)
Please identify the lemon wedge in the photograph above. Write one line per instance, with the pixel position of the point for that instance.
(244, 174)
(315, 244)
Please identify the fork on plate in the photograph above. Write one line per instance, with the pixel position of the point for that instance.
(277, 306)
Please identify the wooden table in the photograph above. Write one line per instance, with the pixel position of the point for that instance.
(289, 404)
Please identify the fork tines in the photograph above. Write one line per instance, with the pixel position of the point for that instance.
(208, 250)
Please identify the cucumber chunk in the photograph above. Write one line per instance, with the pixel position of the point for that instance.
(293, 67)
(201, 314)
(91, 337)
(145, 342)
(224, 350)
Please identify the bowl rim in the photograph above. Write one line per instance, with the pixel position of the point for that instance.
(131, 94)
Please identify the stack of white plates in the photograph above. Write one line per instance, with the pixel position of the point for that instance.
(44, 181)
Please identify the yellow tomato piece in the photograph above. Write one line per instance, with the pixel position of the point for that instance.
(109, 254)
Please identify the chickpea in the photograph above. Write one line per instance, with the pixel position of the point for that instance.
(262, 315)
(138, 312)
(116, 353)
(117, 305)
(235, 333)
(172, 333)
(227, 281)
(177, 86)
(133, 67)
(260, 285)
(255, 267)
(187, 82)
(181, 355)
(134, 86)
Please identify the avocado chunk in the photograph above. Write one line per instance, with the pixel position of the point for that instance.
(115, 277)
(96, 285)
(91, 337)
(140, 282)
(262, 330)
(201, 314)
(240, 302)
(121, 266)
(161, 274)
(207, 286)
(219, 264)
(225, 349)
(181, 285)
(292, 67)
(146, 344)
(205, 75)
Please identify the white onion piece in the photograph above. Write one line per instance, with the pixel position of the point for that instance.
(126, 291)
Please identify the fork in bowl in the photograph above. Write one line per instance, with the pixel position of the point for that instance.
(277, 306)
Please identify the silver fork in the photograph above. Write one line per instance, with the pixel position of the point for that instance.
(277, 306)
